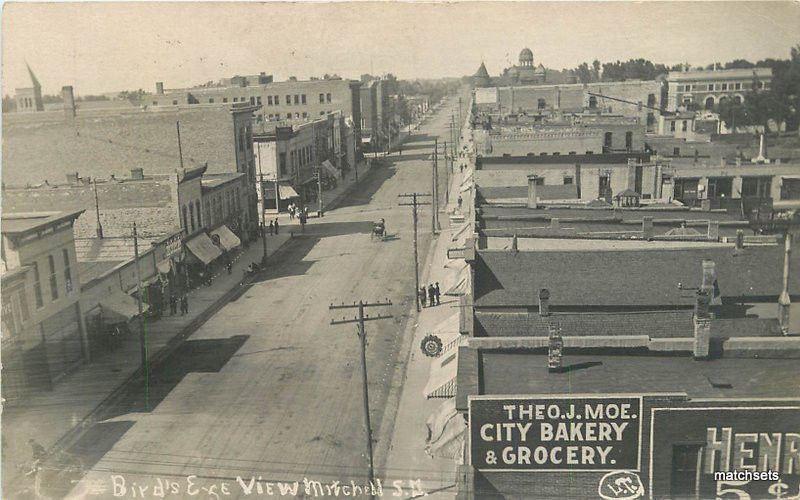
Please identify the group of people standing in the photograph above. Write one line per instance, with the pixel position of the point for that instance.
(430, 296)
(174, 301)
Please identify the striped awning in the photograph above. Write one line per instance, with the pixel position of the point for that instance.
(203, 248)
(442, 380)
(446, 432)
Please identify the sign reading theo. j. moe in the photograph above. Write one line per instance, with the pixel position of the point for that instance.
(555, 433)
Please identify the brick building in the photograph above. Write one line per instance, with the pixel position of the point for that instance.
(707, 88)
(44, 336)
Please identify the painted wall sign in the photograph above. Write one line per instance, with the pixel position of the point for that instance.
(581, 433)
(693, 448)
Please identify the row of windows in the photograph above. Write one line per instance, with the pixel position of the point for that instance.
(272, 100)
(301, 157)
(220, 206)
(714, 87)
(52, 278)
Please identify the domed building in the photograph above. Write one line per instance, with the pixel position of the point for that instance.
(525, 73)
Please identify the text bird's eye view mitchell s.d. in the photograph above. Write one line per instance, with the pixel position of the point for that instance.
(374, 249)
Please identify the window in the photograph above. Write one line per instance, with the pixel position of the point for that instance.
(258, 100)
(155, 103)
(288, 99)
(175, 103)
(676, 151)
(191, 215)
(541, 104)
(628, 141)
(303, 98)
(288, 116)
(724, 86)
(53, 280)
(305, 114)
(711, 86)
(252, 101)
(197, 209)
(235, 99)
(269, 100)
(224, 99)
(608, 140)
(67, 271)
(738, 86)
(277, 100)
(592, 102)
(568, 180)
(680, 88)
(684, 126)
(328, 97)
(296, 99)
(686, 463)
(672, 126)
(759, 187)
(37, 285)
(322, 98)
(185, 219)
(297, 115)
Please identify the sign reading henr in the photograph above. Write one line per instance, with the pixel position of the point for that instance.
(525, 434)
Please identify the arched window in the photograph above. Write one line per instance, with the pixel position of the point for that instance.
(608, 141)
(710, 102)
(737, 99)
(592, 102)
(541, 104)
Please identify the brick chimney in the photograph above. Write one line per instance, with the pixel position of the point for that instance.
(647, 228)
(68, 95)
(784, 301)
(702, 325)
(544, 302)
(713, 230)
(739, 239)
(160, 88)
(533, 197)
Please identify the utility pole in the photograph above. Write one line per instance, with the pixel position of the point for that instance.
(97, 210)
(142, 333)
(447, 172)
(264, 211)
(414, 204)
(362, 337)
(435, 188)
(180, 149)
(319, 191)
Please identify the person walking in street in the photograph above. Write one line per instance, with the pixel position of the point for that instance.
(173, 305)
(431, 295)
(437, 293)
(271, 228)
(276, 225)
(184, 304)
(422, 296)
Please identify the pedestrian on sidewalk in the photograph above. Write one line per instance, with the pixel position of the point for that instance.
(422, 296)
(184, 304)
(460, 201)
(291, 211)
(276, 225)
(437, 293)
(229, 266)
(173, 305)
(431, 295)
(271, 228)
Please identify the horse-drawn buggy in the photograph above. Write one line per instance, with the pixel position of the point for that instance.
(378, 230)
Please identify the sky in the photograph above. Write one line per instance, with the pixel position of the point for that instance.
(108, 46)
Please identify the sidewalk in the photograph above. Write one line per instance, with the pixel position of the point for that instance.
(407, 458)
(51, 417)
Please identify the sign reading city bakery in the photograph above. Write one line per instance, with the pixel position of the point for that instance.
(555, 433)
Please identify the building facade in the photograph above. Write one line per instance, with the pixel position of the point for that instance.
(44, 336)
(707, 88)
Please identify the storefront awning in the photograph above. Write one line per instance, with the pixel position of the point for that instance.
(287, 192)
(119, 307)
(442, 380)
(446, 432)
(448, 332)
(203, 248)
(164, 266)
(227, 239)
(328, 167)
(460, 282)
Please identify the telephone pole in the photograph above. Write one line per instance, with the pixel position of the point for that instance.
(435, 187)
(180, 149)
(362, 337)
(263, 210)
(414, 204)
(97, 210)
(319, 191)
(142, 333)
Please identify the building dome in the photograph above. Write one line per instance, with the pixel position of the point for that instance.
(526, 57)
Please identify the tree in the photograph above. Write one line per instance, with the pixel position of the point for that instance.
(732, 114)
(133, 96)
(739, 64)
